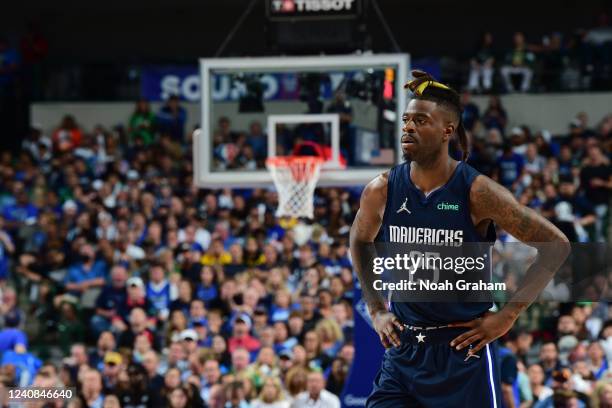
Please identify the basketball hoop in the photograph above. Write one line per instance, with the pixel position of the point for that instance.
(295, 178)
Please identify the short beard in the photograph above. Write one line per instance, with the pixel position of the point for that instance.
(407, 156)
(423, 161)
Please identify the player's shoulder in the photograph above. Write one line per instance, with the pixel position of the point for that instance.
(376, 189)
(379, 182)
(482, 184)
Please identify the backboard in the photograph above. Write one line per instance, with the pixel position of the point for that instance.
(253, 108)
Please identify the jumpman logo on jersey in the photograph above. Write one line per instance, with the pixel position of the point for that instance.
(404, 207)
(471, 355)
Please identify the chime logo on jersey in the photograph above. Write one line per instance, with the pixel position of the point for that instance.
(448, 207)
(414, 235)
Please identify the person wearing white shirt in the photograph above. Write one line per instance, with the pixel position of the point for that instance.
(316, 396)
(271, 395)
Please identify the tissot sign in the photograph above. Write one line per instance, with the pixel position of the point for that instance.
(280, 9)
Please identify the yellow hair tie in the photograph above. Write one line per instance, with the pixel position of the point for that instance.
(418, 91)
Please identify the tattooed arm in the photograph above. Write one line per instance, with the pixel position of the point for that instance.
(363, 232)
(491, 201)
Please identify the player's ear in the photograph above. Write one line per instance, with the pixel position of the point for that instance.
(449, 131)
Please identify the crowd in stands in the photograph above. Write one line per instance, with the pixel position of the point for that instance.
(573, 61)
(120, 278)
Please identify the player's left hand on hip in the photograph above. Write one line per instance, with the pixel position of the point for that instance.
(482, 331)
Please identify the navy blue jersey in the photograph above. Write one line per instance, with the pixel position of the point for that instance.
(441, 217)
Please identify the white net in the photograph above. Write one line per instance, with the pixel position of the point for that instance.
(295, 178)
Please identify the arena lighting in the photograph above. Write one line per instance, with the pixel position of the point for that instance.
(388, 84)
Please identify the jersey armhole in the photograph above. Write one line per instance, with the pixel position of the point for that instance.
(470, 177)
(389, 197)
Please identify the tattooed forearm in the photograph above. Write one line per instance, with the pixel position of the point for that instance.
(490, 200)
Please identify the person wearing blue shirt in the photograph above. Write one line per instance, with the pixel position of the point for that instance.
(21, 212)
(11, 338)
(7, 247)
(13, 350)
(86, 274)
(257, 140)
(26, 366)
(171, 119)
(471, 113)
(159, 291)
(110, 300)
(508, 363)
(207, 288)
(509, 166)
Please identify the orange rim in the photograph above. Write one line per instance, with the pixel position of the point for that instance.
(286, 161)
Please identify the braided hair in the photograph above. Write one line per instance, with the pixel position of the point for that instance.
(425, 87)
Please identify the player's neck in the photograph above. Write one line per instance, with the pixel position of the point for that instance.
(434, 175)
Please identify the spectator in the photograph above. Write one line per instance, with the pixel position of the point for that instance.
(518, 62)
(536, 381)
(602, 396)
(551, 56)
(235, 395)
(111, 299)
(596, 179)
(136, 298)
(495, 116)
(510, 168)
(316, 393)
(338, 375)
(11, 313)
(21, 212)
(563, 394)
(534, 163)
(67, 136)
(91, 389)
(257, 140)
(171, 119)
(7, 247)
(11, 338)
(310, 315)
(597, 362)
(160, 291)
(88, 273)
(182, 303)
(113, 365)
(142, 123)
(207, 289)
(179, 398)
(271, 395)
(482, 65)
(150, 361)
(135, 387)
(138, 325)
(549, 360)
(240, 334)
(211, 376)
(471, 112)
(106, 343)
(572, 212)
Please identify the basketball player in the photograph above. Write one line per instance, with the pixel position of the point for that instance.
(439, 354)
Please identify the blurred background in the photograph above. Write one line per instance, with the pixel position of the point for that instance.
(122, 279)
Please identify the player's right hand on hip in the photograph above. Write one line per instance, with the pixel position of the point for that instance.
(388, 327)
